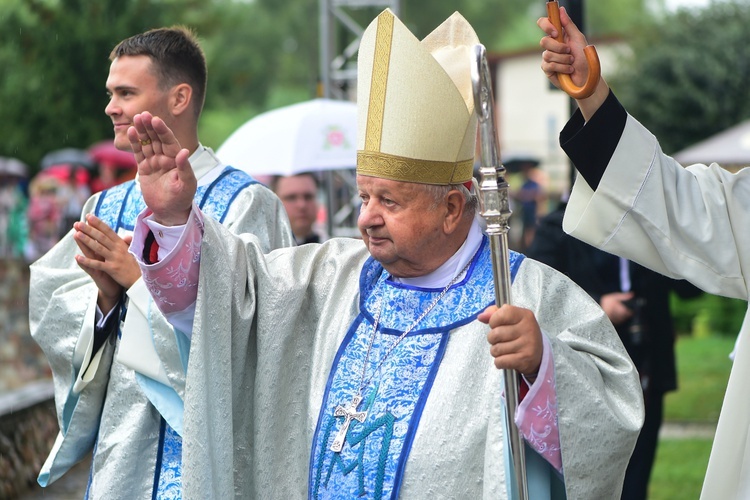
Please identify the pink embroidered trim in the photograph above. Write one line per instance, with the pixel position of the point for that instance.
(537, 414)
(173, 281)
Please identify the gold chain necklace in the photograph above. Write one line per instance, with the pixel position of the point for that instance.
(350, 412)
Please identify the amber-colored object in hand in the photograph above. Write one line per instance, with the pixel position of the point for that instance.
(592, 58)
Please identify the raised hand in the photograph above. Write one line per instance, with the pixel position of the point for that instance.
(568, 58)
(563, 57)
(167, 180)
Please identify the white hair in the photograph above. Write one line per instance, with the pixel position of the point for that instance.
(471, 201)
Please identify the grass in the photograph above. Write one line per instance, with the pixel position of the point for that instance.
(703, 371)
(679, 469)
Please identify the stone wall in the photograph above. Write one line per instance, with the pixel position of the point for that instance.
(28, 424)
(28, 427)
(21, 360)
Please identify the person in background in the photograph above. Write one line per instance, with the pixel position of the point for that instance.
(634, 201)
(14, 226)
(637, 301)
(369, 368)
(44, 214)
(299, 194)
(89, 308)
(531, 197)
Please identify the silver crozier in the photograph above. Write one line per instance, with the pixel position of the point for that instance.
(495, 209)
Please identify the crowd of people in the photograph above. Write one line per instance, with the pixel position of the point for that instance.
(203, 336)
(37, 211)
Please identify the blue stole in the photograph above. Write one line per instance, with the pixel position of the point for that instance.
(372, 461)
(119, 207)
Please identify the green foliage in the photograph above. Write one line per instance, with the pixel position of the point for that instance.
(684, 313)
(54, 96)
(599, 19)
(703, 367)
(708, 315)
(687, 79)
(243, 46)
(723, 316)
(56, 55)
(615, 18)
(486, 17)
(217, 124)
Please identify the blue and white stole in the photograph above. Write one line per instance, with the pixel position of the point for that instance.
(119, 207)
(372, 462)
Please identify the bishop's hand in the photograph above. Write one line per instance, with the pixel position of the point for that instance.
(515, 339)
(166, 178)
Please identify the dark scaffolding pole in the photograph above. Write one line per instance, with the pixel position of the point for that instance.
(575, 10)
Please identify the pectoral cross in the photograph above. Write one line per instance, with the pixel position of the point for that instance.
(349, 413)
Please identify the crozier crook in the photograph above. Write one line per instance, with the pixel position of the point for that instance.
(592, 58)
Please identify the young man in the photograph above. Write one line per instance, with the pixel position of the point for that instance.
(89, 309)
(634, 201)
(360, 368)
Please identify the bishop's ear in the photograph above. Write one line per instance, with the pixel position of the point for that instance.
(455, 206)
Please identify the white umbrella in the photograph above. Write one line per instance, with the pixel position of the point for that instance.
(13, 167)
(314, 135)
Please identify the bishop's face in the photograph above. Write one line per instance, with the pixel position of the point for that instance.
(402, 227)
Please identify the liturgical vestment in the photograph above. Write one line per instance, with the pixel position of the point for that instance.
(112, 409)
(279, 341)
(689, 223)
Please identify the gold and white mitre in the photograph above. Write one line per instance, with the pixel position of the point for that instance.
(416, 119)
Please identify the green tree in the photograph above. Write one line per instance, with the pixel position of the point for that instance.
(488, 18)
(299, 61)
(599, 18)
(261, 54)
(55, 55)
(242, 47)
(687, 79)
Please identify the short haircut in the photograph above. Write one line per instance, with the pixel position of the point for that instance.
(176, 58)
(276, 178)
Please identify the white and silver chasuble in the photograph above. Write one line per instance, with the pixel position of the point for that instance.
(136, 453)
(272, 357)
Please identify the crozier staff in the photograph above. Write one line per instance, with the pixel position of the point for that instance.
(495, 210)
